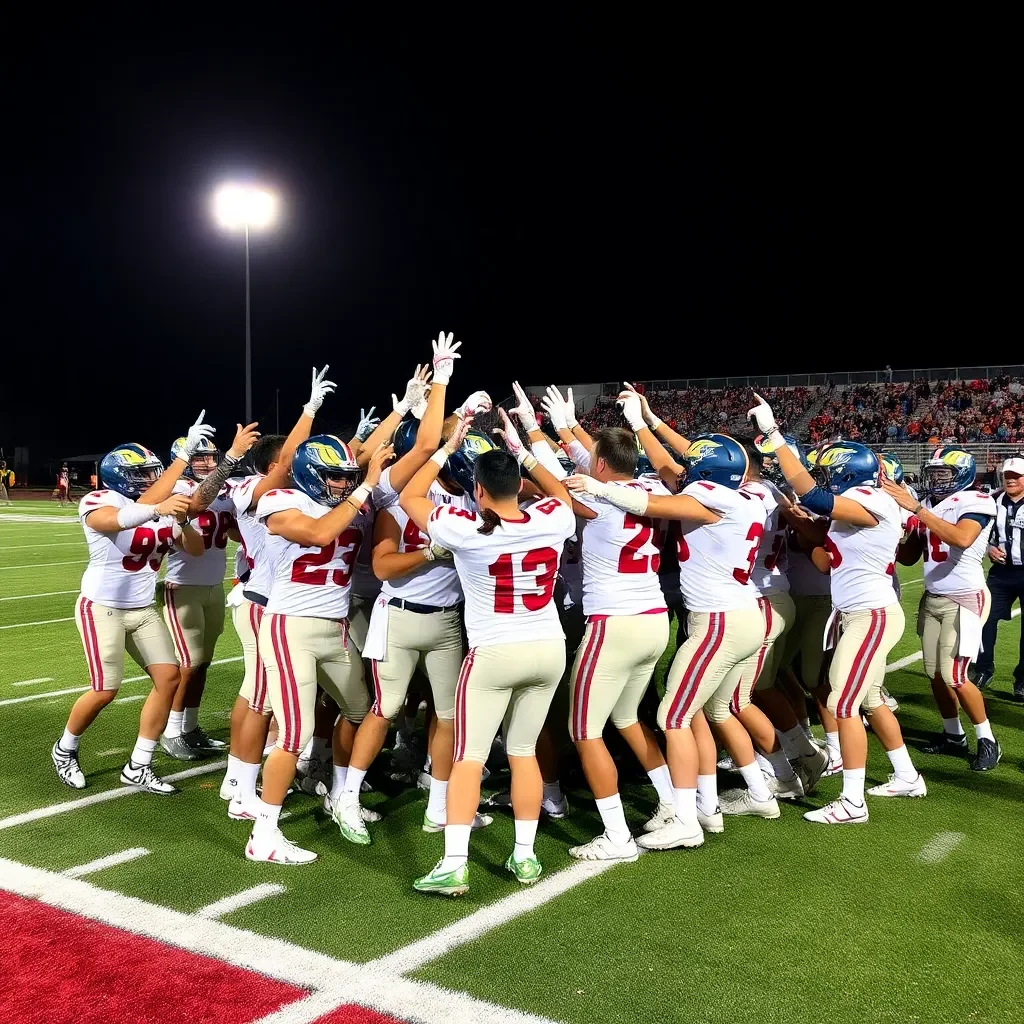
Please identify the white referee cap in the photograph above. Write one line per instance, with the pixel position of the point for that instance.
(1015, 464)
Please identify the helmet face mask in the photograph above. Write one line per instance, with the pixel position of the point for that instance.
(338, 485)
(949, 470)
(939, 481)
(202, 465)
(325, 469)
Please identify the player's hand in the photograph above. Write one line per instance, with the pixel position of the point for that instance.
(632, 410)
(997, 554)
(378, 460)
(176, 505)
(319, 390)
(650, 419)
(763, 416)
(435, 552)
(477, 402)
(245, 438)
(898, 492)
(561, 411)
(523, 409)
(445, 354)
(196, 434)
(509, 434)
(454, 443)
(416, 390)
(582, 484)
(368, 423)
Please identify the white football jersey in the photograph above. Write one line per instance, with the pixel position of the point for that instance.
(863, 558)
(254, 536)
(769, 575)
(508, 576)
(621, 557)
(123, 566)
(716, 561)
(309, 581)
(950, 570)
(212, 524)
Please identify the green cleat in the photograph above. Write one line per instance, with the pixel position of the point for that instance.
(527, 870)
(345, 812)
(447, 883)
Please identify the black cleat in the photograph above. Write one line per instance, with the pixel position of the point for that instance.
(948, 744)
(1018, 689)
(989, 753)
(981, 677)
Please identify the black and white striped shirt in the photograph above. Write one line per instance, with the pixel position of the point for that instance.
(1008, 529)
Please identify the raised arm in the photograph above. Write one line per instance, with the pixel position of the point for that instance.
(632, 405)
(542, 477)
(661, 430)
(163, 487)
(206, 493)
(413, 497)
(414, 400)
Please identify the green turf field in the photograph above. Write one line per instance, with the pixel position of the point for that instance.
(919, 916)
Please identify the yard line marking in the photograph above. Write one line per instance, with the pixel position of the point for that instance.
(110, 753)
(106, 862)
(217, 910)
(42, 622)
(422, 951)
(939, 847)
(30, 682)
(910, 658)
(82, 689)
(101, 798)
(58, 544)
(9, 518)
(136, 696)
(42, 565)
(49, 593)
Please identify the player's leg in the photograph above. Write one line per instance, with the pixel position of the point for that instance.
(183, 616)
(212, 627)
(953, 739)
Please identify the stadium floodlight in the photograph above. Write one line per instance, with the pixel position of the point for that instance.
(246, 208)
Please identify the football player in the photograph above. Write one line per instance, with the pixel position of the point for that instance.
(862, 540)
(303, 640)
(63, 485)
(194, 587)
(955, 519)
(130, 524)
(507, 560)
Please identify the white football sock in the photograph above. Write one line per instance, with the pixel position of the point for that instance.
(754, 778)
(552, 793)
(661, 780)
(526, 833)
(707, 793)
(901, 763)
(456, 846)
(684, 801)
(143, 752)
(231, 775)
(189, 719)
(984, 731)
(953, 726)
(780, 763)
(173, 726)
(266, 819)
(354, 779)
(437, 800)
(798, 742)
(832, 745)
(246, 775)
(69, 741)
(614, 818)
(853, 785)
(338, 781)
(766, 766)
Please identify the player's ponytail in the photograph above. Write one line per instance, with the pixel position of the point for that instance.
(491, 519)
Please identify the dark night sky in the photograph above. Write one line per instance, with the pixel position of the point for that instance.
(577, 203)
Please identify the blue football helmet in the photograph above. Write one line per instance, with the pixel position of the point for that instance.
(770, 465)
(205, 448)
(893, 467)
(129, 469)
(716, 458)
(405, 436)
(644, 467)
(845, 464)
(325, 469)
(950, 469)
(459, 466)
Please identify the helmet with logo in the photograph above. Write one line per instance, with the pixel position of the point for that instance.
(892, 466)
(325, 469)
(405, 436)
(845, 464)
(950, 469)
(770, 464)
(459, 466)
(204, 450)
(716, 458)
(129, 469)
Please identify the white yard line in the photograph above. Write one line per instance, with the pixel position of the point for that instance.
(134, 696)
(103, 863)
(939, 847)
(110, 753)
(59, 544)
(217, 910)
(100, 798)
(910, 658)
(49, 593)
(41, 622)
(32, 682)
(42, 565)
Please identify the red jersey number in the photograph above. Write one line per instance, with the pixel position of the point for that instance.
(755, 533)
(305, 567)
(148, 545)
(629, 559)
(543, 562)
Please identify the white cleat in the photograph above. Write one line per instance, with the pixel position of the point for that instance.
(713, 822)
(277, 849)
(663, 815)
(237, 811)
(676, 833)
(311, 773)
(839, 812)
(899, 787)
(810, 768)
(785, 789)
(554, 809)
(364, 812)
(739, 801)
(69, 771)
(479, 821)
(144, 778)
(602, 848)
(834, 766)
(727, 764)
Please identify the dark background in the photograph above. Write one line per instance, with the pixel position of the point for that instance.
(576, 201)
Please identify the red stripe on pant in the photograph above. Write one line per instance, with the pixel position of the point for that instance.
(291, 732)
(293, 688)
(960, 672)
(867, 650)
(95, 678)
(378, 697)
(694, 672)
(766, 609)
(176, 631)
(460, 705)
(259, 686)
(581, 691)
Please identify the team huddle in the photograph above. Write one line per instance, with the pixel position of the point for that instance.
(426, 548)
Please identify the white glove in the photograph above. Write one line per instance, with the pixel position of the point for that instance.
(368, 423)
(763, 416)
(477, 402)
(420, 405)
(197, 433)
(561, 411)
(650, 419)
(523, 409)
(445, 355)
(513, 442)
(319, 391)
(416, 390)
(632, 410)
(435, 551)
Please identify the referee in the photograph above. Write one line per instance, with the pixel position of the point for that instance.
(1006, 577)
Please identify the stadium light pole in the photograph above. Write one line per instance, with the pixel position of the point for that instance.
(245, 208)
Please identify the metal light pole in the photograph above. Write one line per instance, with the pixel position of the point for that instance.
(248, 336)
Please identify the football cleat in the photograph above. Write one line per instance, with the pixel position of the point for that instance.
(727, 764)
(947, 743)
(176, 747)
(1018, 689)
(835, 764)
(898, 787)
(602, 848)
(237, 811)
(981, 677)
(713, 822)
(527, 870)
(479, 821)
(676, 833)
(69, 771)
(810, 769)
(554, 809)
(663, 814)
(447, 883)
(839, 812)
(143, 777)
(988, 756)
(277, 849)
(423, 781)
(786, 789)
(345, 813)
(198, 740)
(315, 772)
(739, 801)
(366, 813)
